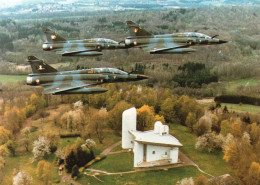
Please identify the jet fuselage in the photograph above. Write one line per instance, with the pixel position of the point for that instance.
(166, 43)
(184, 40)
(86, 47)
(57, 80)
(99, 75)
(93, 47)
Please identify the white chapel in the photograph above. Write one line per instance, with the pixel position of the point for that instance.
(151, 148)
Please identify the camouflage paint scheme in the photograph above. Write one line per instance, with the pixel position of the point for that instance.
(167, 43)
(77, 81)
(86, 47)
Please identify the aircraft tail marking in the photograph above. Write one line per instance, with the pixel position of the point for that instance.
(38, 66)
(52, 36)
(136, 30)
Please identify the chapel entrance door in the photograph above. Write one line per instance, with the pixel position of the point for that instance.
(145, 151)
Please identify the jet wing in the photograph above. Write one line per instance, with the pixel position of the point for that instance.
(161, 47)
(78, 51)
(58, 87)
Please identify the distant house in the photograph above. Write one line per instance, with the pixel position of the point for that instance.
(151, 148)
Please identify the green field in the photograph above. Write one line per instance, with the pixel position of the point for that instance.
(242, 108)
(5, 79)
(236, 107)
(232, 85)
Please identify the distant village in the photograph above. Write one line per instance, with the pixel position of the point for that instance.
(112, 5)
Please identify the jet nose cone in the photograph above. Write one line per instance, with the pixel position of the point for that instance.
(142, 77)
(44, 46)
(222, 41)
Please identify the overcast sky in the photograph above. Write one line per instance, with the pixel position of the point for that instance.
(11, 3)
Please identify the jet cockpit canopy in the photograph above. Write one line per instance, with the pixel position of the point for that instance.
(194, 34)
(103, 40)
(109, 70)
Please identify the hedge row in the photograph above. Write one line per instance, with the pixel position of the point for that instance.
(98, 158)
(69, 135)
(236, 99)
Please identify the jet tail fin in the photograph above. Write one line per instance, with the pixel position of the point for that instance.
(52, 36)
(38, 66)
(136, 31)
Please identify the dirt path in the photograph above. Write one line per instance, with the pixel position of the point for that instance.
(107, 150)
(136, 170)
(66, 179)
(117, 152)
(203, 171)
(185, 160)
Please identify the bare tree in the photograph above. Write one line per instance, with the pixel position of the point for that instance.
(97, 124)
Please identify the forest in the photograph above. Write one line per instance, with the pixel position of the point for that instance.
(89, 118)
(39, 132)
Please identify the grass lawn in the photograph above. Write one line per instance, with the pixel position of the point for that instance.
(158, 177)
(5, 79)
(211, 163)
(242, 108)
(121, 162)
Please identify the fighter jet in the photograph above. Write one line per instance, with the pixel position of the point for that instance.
(86, 47)
(77, 81)
(167, 43)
